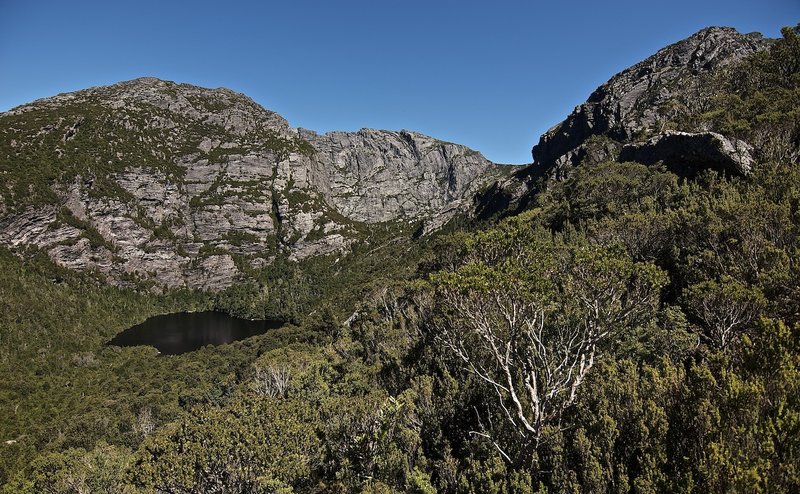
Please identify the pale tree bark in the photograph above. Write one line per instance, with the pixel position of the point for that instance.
(271, 381)
(724, 308)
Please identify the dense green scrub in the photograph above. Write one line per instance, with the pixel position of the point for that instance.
(630, 332)
(64, 389)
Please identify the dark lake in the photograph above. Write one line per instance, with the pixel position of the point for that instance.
(182, 332)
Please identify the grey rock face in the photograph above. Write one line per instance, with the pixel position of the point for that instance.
(686, 153)
(204, 183)
(636, 103)
(377, 175)
(629, 118)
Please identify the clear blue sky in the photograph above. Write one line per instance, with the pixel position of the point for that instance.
(492, 75)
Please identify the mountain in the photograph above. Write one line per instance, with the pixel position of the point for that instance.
(152, 181)
(663, 110)
(181, 186)
(642, 101)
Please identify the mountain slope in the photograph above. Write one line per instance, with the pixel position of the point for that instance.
(709, 101)
(149, 180)
(641, 101)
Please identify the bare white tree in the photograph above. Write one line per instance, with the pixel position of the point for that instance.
(271, 381)
(535, 343)
(145, 423)
(725, 309)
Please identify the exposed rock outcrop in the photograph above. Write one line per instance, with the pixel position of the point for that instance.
(637, 103)
(687, 153)
(377, 175)
(634, 117)
(186, 186)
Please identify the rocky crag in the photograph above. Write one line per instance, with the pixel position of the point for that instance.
(180, 186)
(645, 102)
(646, 113)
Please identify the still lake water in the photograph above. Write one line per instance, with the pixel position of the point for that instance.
(182, 332)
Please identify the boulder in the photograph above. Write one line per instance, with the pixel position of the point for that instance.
(687, 153)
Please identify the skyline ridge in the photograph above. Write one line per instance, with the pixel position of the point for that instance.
(494, 79)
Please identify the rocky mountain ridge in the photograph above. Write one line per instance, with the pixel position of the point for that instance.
(643, 100)
(640, 114)
(149, 180)
(180, 186)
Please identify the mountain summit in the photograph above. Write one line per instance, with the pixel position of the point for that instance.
(642, 101)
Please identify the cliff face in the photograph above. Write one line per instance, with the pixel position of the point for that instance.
(640, 102)
(650, 113)
(376, 175)
(148, 180)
